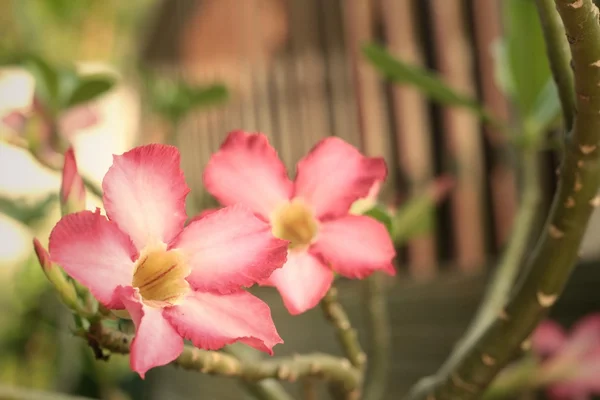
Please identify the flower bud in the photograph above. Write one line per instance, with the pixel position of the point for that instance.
(72, 190)
(56, 276)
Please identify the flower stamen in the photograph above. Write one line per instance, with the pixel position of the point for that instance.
(296, 223)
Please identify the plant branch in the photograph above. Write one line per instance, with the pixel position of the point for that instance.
(267, 389)
(346, 334)
(379, 334)
(555, 254)
(559, 56)
(498, 292)
(17, 393)
(324, 366)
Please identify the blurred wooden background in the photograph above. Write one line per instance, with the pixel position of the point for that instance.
(296, 73)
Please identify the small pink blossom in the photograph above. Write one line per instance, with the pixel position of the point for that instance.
(312, 212)
(72, 189)
(176, 282)
(570, 363)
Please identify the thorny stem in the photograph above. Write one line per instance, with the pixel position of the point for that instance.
(555, 254)
(346, 334)
(267, 389)
(338, 372)
(559, 56)
(497, 294)
(379, 335)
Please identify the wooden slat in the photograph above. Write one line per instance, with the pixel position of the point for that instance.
(371, 105)
(461, 130)
(412, 127)
(487, 24)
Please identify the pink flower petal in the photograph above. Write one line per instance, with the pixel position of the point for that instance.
(156, 342)
(230, 248)
(144, 193)
(356, 246)
(72, 188)
(334, 175)
(212, 321)
(584, 337)
(548, 338)
(247, 170)
(95, 252)
(302, 282)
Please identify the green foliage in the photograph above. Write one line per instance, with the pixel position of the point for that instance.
(380, 214)
(426, 81)
(174, 99)
(522, 68)
(27, 213)
(62, 87)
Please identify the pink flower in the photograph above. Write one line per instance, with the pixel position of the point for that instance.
(312, 212)
(72, 189)
(175, 282)
(571, 364)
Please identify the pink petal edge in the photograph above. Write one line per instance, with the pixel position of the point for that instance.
(302, 282)
(212, 321)
(95, 252)
(228, 249)
(156, 342)
(356, 246)
(247, 170)
(334, 174)
(144, 193)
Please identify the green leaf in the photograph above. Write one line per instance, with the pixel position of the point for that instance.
(525, 53)
(88, 88)
(24, 211)
(546, 109)
(381, 215)
(46, 79)
(415, 218)
(207, 96)
(428, 82)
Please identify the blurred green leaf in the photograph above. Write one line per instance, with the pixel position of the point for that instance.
(546, 109)
(206, 96)
(381, 215)
(25, 212)
(88, 88)
(428, 82)
(415, 218)
(525, 54)
(46, 79)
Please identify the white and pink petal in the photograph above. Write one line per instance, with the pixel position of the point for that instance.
(230, 248)
(334, 175)
(302, 282)
(144, 194)
(247, 170)
(355, 246)
(212, 321)
(156, 342)
(93, 250)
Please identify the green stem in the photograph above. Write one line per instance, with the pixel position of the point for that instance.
(498, 292)
(346, 335)
(267, 389)
(17, 393)
(559, 56)
(376, 378)
(555, 254)
(339, 372)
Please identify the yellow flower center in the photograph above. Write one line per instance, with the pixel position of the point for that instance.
(159, 275)
(295, 222)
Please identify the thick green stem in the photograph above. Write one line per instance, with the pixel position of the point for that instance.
(555, 254)
(346, 334)
(267, 389)
(503, 281)
(559, 56)
(376, 378)
(338, 372)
